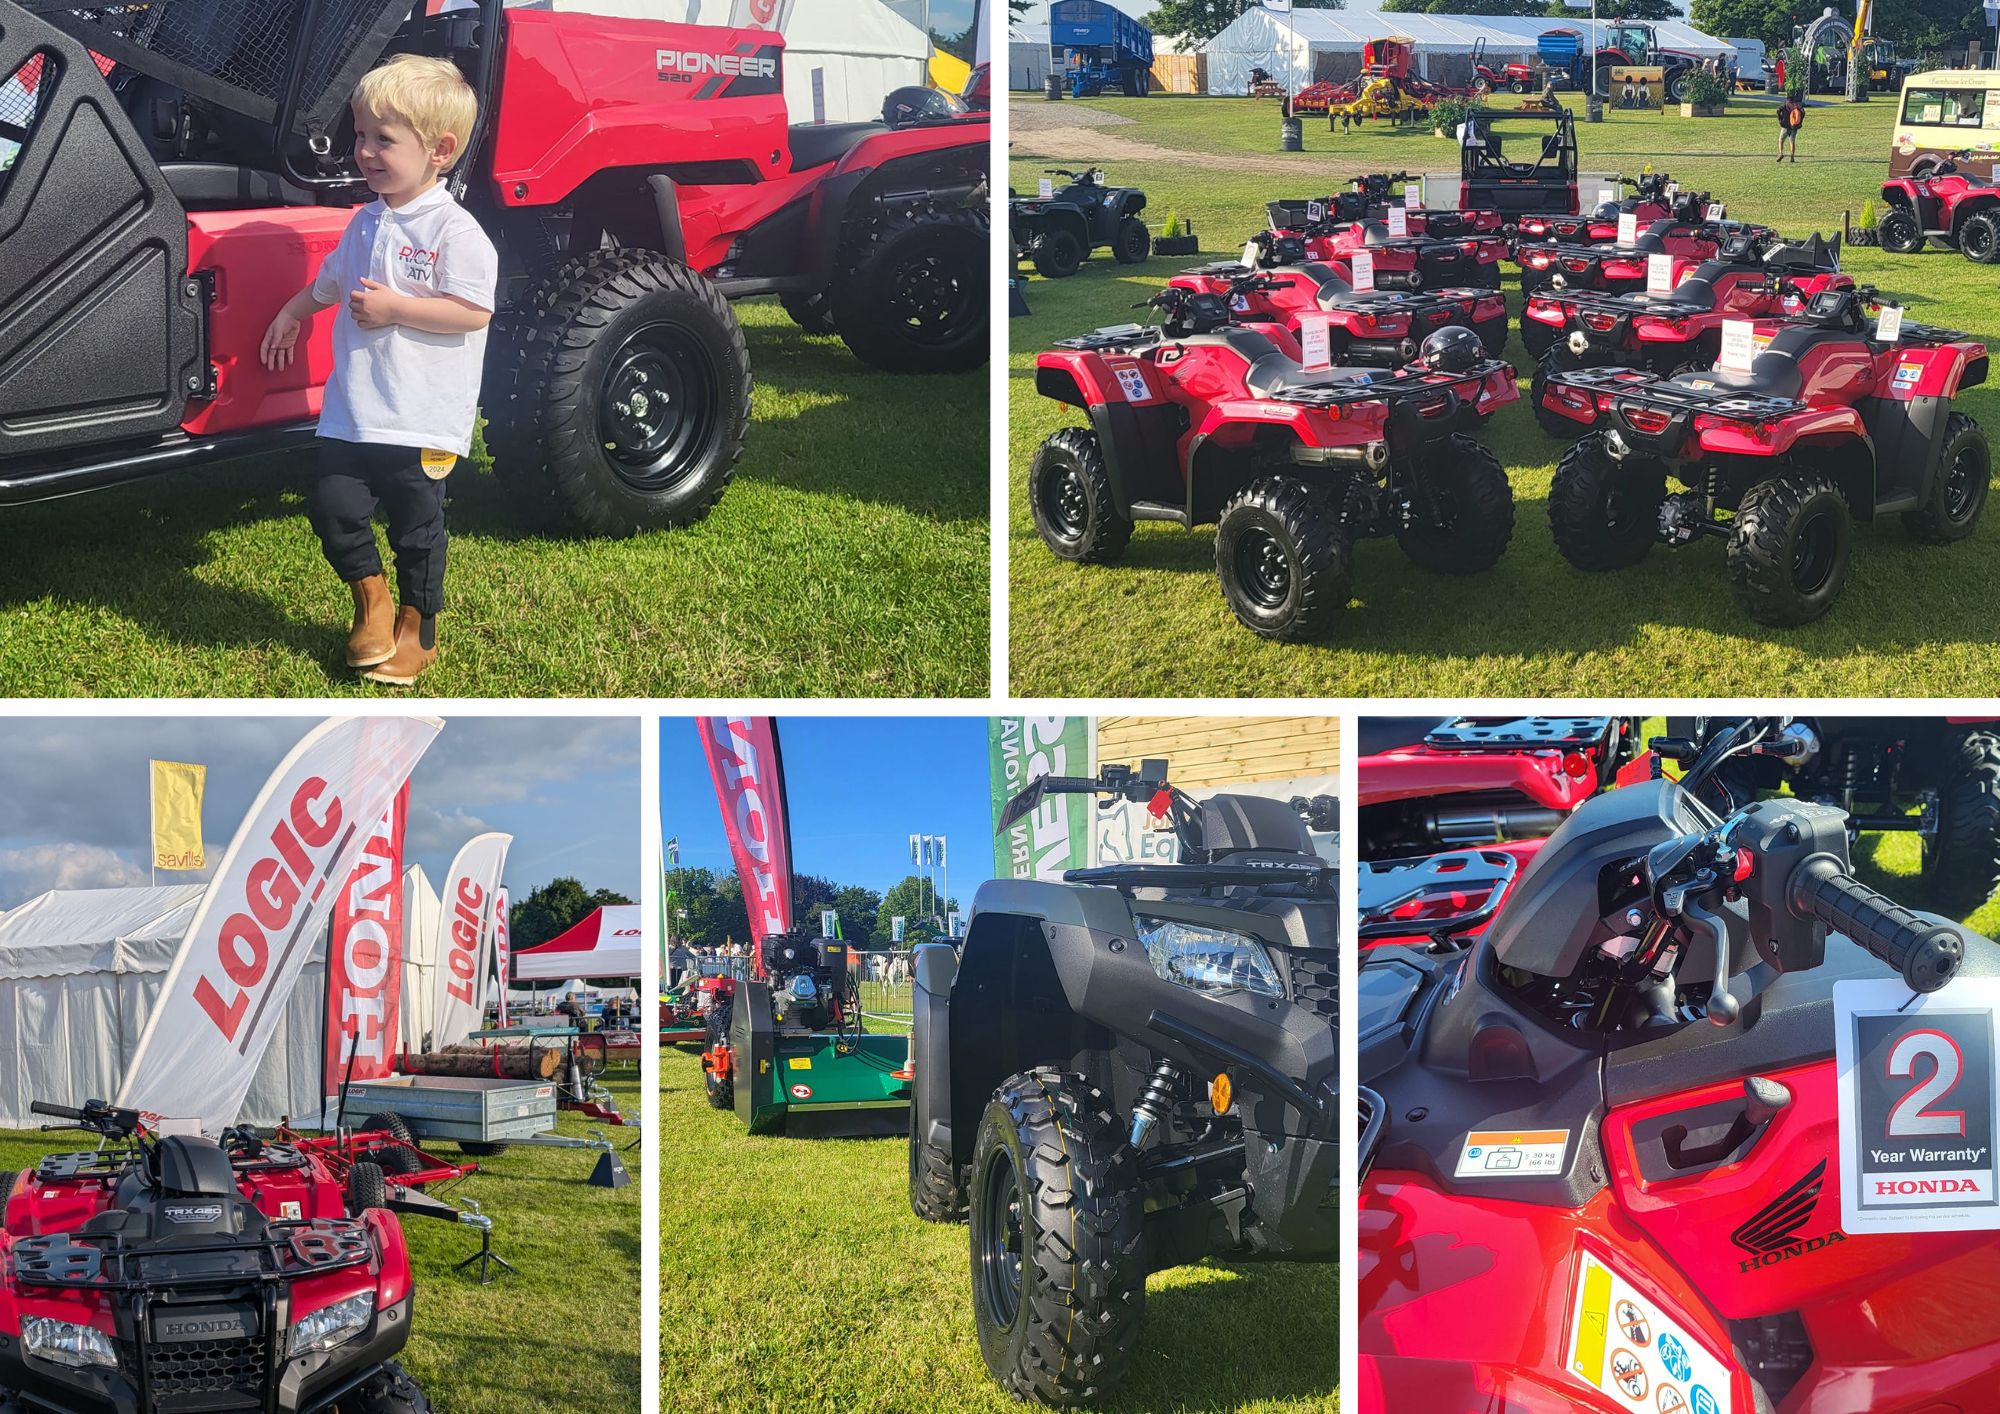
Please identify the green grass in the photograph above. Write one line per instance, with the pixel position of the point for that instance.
(849, 558)
(794, 1278)
(561, 1334)
(1914, 620)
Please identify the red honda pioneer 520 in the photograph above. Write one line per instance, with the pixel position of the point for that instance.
(158, 204)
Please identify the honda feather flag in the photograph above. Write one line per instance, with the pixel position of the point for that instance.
(500, 947)
(750, 787)
(262, 915)
(364, 958)
(465, 931)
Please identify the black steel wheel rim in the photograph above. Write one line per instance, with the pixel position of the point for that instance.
(1978, 239)
(1263, 569)
(1066, 502)
(1000, 1238)
(1814, 550)
(1963, 483)
(932, 296)
(660, 406)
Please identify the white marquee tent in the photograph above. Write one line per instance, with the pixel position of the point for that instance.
(1319, 44)
(603, 943)
(860, 50)
(80, 970)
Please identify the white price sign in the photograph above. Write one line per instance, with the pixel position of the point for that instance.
(1605, 194)
(1716, 211)
(1673, 190)
(1399, 222)
(1361, 269)
(1048, 188)
(1659, 274)
(1628, 228)
(1889, 323)
(1413, 195)
(1316, 340)
(1917, 1106)
(1739, 345)
(1250, 255)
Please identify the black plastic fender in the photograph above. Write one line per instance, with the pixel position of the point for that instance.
(930, 1041)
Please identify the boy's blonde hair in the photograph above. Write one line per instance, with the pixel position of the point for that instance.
(429, 94)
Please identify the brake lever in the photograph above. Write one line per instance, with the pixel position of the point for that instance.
(1722, 1007)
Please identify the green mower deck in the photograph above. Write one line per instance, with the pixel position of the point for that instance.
(815, 1085)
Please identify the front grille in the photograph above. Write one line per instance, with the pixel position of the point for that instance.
(1316, 985)
(180, 1369)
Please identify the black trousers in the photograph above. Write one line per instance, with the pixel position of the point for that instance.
(354, 478)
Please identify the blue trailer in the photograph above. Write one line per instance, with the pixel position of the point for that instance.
(1099, 47)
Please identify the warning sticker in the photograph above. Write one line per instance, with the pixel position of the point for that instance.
(1622, 1343)
(802, 1092)
(1907, 374)
(1133, 382)
(799, 1062)
(1508, 1153)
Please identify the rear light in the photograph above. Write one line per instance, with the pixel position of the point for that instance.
(1577, 263)
(1650, 421)
(1600, 322)
(1716, 422)
(1469, 247)
(1576, 765)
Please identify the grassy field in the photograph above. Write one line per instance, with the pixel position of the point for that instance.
(564, 1332)
(794, 1278)
(850, 558)
(1914, 620)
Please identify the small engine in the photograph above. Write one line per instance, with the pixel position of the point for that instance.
(805, 988)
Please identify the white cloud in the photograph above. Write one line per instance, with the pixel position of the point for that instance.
(36, 869)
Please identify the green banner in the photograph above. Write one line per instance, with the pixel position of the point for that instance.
(1057, 836)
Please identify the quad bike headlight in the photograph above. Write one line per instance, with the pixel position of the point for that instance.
(1205, 959)
(330, 1325)
(79, 1347)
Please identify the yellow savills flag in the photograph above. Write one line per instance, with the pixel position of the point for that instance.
(177, 815)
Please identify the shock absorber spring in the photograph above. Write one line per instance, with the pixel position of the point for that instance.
(1852, 777)
(1154, 1104)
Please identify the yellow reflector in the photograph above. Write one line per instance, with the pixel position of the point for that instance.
(1219, 1093)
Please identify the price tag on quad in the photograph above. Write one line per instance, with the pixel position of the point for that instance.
(1316, 341)
(1659, 274)
(1361, 268)
(1917, 1106)
(1399, 222)
(1889, 324)
(1628, 228)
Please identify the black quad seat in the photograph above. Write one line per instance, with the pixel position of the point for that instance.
(816, 144)
(1775, 371)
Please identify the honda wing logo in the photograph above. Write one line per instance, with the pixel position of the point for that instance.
(194, 1213)
(1771, 1235)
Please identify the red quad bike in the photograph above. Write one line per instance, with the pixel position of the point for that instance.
(635, 175)
(1384, 328)
(1828, 424)
(1621, 269)
(1649, 202)
(179, 1273)
(1956, 209)
(1609, 1130)
(1451, 810)
(1368, 198)
(1197, 421)
(1676, 332)
(1408, 262)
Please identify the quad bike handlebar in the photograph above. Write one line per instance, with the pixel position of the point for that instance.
(96, 1116)
(1926, 954)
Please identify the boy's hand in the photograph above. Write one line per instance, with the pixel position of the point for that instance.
(279, 340)
(374, 306)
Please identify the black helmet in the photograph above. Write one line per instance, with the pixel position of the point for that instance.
(1452, 349)
(917, 104)
(1605, 211)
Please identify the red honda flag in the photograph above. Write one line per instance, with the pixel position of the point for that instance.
(500, 945)
(364, 958)
(750, 787)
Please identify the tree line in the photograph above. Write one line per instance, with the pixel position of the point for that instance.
(706, 910)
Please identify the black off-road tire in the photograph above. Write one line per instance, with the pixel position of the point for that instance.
(482, 1148)
(1284, 559)
(1133, 242)
(397, 1159)
(366, 1186)
(937, 1188)
(812, 313)
(1979, 237)
(721, 1089)
(1070, 498)
(1789, 549)
(1058, 254)
(1898, 231)
(1961, 865)
(604, 320)
(390, 1123)
(1604, 513)
(1051, 1167)
(1472, 490)
(389, 1390)
(1958, 492)
(912, 297)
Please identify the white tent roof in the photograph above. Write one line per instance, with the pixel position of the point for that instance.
(604, 943)
(1261, 31)
(68, 932)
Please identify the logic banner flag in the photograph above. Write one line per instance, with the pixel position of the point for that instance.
(750, 787)
(364, 958)
(263, 913)
(177, 790)
(1057, 835)
(465, 933)
(500, 948)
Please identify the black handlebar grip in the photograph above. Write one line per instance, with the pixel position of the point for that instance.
(42, 1107)
(1927, 954)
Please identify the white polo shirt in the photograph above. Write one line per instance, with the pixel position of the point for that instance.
(401, 386)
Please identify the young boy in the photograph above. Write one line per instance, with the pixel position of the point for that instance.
(414, 277)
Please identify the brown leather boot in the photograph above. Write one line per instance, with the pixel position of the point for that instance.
(416, 649)
(373, 637)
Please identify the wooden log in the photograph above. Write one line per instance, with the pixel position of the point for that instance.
(506, 1062)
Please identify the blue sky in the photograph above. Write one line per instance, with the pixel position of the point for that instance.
(74, 790)
(857, 788)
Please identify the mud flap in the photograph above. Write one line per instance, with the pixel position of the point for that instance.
(1908, 438)
(101, 335)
